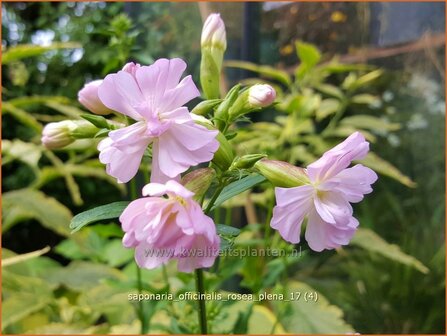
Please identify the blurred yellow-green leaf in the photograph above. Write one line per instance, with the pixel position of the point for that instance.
(370, 241)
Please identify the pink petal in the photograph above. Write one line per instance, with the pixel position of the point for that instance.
(149, 257)
(130, 218)
(354, 182)
(321, 235)
(193, 136)
(179, 95)
(338, 158)
(124, 154)
(333, 207)
(121, 93)
(293, 204)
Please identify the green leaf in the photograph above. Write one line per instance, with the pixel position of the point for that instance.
(312, 316)
(108, 211)
(23, 116)
(330, 90)
(82, 275)
(327, 107)
(24, 204)
(365, 98)
(370, 123)
(308, 53)
(68, 110)
(226, 230)
(266, 71)
(36, 100)
(26, 152)
(238, 187)
(372, 242)
(28, 50)
(24, 257)
(261, 321)
(23, 295)
(116, 254)
(382, 166)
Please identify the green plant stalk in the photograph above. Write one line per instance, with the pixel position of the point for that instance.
(202, 303)
(144, 325)
(200, 286)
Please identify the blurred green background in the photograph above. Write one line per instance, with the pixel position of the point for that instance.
(51, 49)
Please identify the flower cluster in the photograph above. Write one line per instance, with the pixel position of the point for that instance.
(168, 222)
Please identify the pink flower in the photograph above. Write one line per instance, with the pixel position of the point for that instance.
(175, 227)
(325, 201)
(88, 97)
(153, 96)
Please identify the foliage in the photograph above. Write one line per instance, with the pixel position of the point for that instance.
(83, 286)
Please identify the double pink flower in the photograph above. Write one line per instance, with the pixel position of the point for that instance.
(153, 96)
(175, 227)
(325, 201)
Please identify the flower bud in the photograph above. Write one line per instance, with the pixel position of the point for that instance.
(198, 181)
(62, 133)
(213, 32)
(205, 107)
(57, 134)
(246, 161)
(282, 174)
(252, 99)
(261, 95)
(213, 44)
(88, 97)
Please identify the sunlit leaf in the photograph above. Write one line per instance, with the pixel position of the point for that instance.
(372, 242)
(312, 316)
(308, 53)
(29, 50)
(327, 107)
(382, 166)
(370, 123)
(24, 204)
(264, 70)
(26, 152)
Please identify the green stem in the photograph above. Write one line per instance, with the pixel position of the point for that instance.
(202, 304)
(200, 286)
(141, 315)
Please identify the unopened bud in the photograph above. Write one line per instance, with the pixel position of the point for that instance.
(282, 174)
(222, 112)
(213, 44)
(213, 32)
(198, 181)
(88, 97)
(62, 133)
(253, 99)
(261, 95)
(246, 161)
